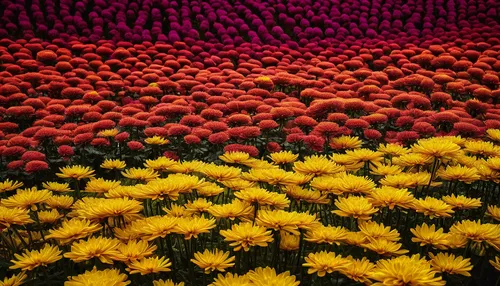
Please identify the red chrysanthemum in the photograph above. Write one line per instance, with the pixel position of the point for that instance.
(100, 142)
(13, 151)
(355, 123)
(178, 130)
(19, 111)
(314, 142)
(239, 120)
(192, 139)
(407, 137)
(36, 166)
(251, 150)
(244, 132)
(135, 145)
(33, 156)
(218, 138)
(14, 165)
(83, 138)
(268, 124)
(121, 137)
(273, 147)
(65, 151)
(19, 141)
(372, 134)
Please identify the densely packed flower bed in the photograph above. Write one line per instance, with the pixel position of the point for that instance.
(249, 142)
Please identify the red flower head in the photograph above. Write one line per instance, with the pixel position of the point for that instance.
(192, 139)
(33, 156)
(19, 141)
(404, 121)
(135, 145)
(305, 121)
(14, 165)
(121, 137)
(192, 120)
(19, 111)
(216, 126)
(46, 56)
(72, 92)
(295, 138)
(281, 113)
(475, 107)
(273, 147)
(314, 142)
(239, 120)
(466, 129)
(65, 151)
(244, 132)
(100, 142)
(178, 130)
(355, 123)
(76, 110)
(171, 155)
(268, 124)
(423, 128)
(219, 138)
(102, 125)
(83, 138)
(36, 166)
(158, 131)
(326, 129)
(201, 132)
(63, 140)
(251, 150)
(445, 117)
(211, 114)
(321, 109)
(407, 137)
(372, 134)
(13, 151)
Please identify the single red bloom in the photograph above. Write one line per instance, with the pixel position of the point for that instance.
(135, 145)
(36, 166)
(33, 156)
(65, 151)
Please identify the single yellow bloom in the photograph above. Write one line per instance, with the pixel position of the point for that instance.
(446, 262)
(76, 172)
(101, 277)
(113, 164)
(30, 260)
(149, 265)
(213, 260)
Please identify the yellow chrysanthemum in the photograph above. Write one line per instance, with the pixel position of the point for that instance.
(317, 165)
(213, 260)
(476, 231)
(289, 242)
(279, 220)
(101, 185)
(141, 174)
(101, 277)
(192, 226)
(9, 185)
(324, 262)
(167, 282)
(392, 149)
(494, 212)
(28, 198)
(57, 187)
(134, 250)
(283, 157)
(100, 208)
(364, 155)
(108, 132)
(310, 196)
(384, 247)
(327, 234)
(390, 197)
(13, 216)
(428, 235)
(432, 207)
(220, 172)
(30, 260)
(459, 173)
(51, 216)
(233, 210)
(357, 207)
(374, 230)
(345, 142)
(149, 265)
(14, 280)
(436, 147)
(462, 202)
(160, 164)
(245, 235)
(405, 270)
(76, 172)
(236, 157)
(268, 276)
(494, 134)
(156, 140)
(496, 263)
(102, 248)
(113, 164)
(358, 270)
(73, 229)
(481, 148)
(231, 279)
(448, 263)
(379, 169)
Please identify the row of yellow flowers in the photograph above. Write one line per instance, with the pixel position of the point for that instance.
(424, 215)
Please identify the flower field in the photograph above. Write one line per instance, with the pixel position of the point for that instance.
(233, 143)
